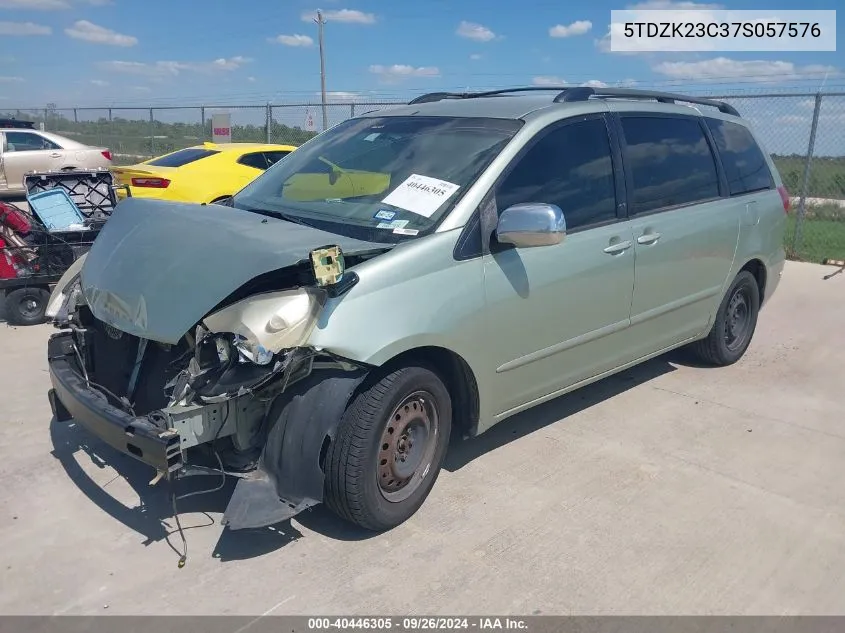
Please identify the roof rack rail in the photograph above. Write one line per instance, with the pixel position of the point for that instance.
(573, 94)
(439, 96)
(583, 93)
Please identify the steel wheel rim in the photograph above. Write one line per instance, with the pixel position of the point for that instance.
(738, 319)
(29, 307)
(407, 446)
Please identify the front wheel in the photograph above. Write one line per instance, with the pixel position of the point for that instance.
(735, 323)
(389, 448)
(26, 306)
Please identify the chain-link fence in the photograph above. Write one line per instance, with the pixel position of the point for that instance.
(805, 134)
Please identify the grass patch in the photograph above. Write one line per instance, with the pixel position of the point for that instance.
(822, 234)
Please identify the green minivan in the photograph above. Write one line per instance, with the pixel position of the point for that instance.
(468, 256)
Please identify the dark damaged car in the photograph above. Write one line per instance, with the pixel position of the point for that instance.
(404, 276)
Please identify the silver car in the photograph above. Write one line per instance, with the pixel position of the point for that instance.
(24, 149)
(412, 274)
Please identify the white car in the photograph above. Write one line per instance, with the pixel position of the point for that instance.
(24, 149)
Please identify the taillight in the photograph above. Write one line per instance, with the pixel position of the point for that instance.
(784, 196)
(106, 154)
(155, 183)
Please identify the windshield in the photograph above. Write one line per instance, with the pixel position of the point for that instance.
(379, 179)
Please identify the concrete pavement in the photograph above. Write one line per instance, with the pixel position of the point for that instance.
(669, 489)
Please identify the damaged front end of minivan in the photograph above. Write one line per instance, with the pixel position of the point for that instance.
(240, 390)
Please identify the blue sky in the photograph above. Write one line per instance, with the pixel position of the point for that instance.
(157, 52)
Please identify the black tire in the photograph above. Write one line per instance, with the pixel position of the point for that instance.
(734, 325)
(368, 450)
(26, 306)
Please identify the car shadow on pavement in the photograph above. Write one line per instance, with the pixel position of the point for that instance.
(463, 451)
(152, 517)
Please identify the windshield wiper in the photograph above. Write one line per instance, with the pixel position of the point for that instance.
(281, 215)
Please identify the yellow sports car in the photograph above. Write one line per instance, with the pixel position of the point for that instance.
(203, 173)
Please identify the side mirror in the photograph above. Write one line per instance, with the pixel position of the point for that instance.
(531, 224)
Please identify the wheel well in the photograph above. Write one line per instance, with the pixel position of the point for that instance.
(758, 269)
(456, 374)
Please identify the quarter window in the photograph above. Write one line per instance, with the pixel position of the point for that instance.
(570, 167)
(670, 162)
(275, 156)
(256, 160)
(745, 164)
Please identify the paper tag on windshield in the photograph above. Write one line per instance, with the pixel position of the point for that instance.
(421, 195)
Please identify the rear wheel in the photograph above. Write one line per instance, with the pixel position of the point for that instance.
(735, 323)
(389, 448)
(26, 306)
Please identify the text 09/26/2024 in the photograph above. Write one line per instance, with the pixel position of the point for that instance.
(649, 30)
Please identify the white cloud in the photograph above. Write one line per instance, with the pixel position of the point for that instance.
(99, 82)
(697, 12)
(475, 57)
(90, 32)
(173, 69)
(140, 89)
(251, 79)
(343, 96)
(293, 40)
(594, 83)
(576, 28)
(24, 28)
(398, 72)
(348, 16)
(668, 5)
(473, 31)
(11, 80)
(98, 3)
(35, 5)
(724, 69)
(548, 80)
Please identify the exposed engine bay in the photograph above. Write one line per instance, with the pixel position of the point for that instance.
(230, 396)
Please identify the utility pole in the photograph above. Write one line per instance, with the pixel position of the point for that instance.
(320, 22)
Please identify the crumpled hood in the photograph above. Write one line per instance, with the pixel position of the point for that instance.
(157, 268)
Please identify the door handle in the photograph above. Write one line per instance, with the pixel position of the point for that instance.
(619, 247)
(55, 155)
(648, 238)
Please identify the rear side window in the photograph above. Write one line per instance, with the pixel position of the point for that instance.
(255, 159)
(744, 162)
(275, 156)
(182, 157)
(570, 167)
(670, 162)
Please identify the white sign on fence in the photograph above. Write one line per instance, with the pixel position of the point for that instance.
(221, 128)
(309, 121)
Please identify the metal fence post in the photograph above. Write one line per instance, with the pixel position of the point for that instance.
(268, 118)
(805, 184)
(152, 134)
(202, 123)
(75, 117)
(45, 118)
(351, 110)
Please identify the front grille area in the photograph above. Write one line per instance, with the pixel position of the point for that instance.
(110, 356)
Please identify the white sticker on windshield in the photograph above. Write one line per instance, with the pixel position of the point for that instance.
(393, 224)
(421, 195)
